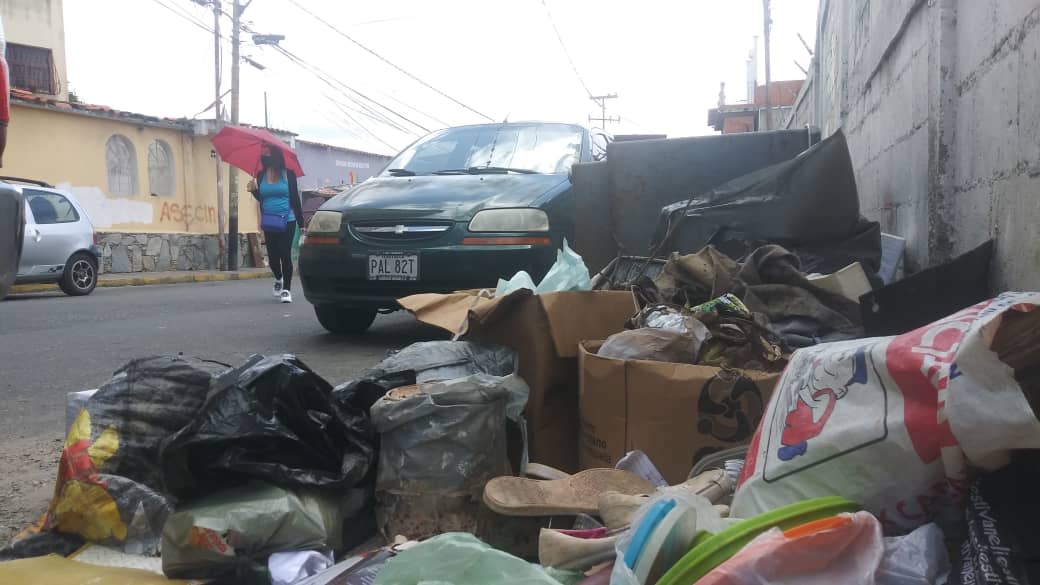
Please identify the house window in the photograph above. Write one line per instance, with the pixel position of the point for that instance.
(161, 180)
(121, 164)
(31, 68)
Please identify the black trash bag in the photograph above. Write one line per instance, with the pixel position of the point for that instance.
(810, 198)
(1000, 546)
(271, 419)
(41, 544)
(109, 485)
(929, 295)
(428, 361)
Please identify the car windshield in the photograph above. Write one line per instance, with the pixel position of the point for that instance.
(539, 148)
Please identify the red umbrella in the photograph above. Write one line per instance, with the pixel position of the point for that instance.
(240, 146)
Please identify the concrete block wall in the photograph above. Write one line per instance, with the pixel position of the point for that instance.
(939, 101)
(125, 252)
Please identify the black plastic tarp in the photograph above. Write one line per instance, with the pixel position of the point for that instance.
(811, 198)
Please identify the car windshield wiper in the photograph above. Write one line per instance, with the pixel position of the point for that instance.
(484, 171)
(479, 170)
(401, 172)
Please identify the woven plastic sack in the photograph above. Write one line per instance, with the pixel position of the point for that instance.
(897, 423)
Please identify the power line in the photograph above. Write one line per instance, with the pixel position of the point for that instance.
(299, 62)
(343, 90)
(385, 60)
(325, 77)
(184, 16)
(566, 53)
(194, 17)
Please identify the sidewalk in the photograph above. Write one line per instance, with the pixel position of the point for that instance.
(147, 278)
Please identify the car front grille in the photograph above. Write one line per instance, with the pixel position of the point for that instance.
(388, 231)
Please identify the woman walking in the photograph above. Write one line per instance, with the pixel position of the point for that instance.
(275, 188)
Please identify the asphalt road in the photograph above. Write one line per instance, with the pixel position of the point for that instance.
(51, 344)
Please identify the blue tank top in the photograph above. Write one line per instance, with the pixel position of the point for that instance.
(274, 197)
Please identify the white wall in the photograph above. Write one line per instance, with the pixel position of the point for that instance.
(938, 100)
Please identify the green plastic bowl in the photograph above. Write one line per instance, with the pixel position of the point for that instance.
(713, 551)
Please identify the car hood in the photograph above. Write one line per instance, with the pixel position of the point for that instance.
(450, 197)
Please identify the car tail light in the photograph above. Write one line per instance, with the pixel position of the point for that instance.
(95, 238)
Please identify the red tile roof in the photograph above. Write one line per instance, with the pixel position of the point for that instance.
(21, 96)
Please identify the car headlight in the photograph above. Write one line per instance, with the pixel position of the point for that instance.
(510, 220)
(325, 222)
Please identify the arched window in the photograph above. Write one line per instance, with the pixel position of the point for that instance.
(121, 164)
(161, 180)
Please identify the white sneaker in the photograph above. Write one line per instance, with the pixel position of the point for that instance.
(286, 296)
(277, 290)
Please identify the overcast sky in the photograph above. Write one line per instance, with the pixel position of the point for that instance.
(664, 59)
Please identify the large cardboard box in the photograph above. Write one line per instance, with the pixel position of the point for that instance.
(545, 331)
(675, 413)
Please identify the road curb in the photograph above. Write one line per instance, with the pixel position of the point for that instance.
(148, 280)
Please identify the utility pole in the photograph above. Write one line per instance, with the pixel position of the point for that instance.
(219, 123)
(769, 99)
(236, 24)
(601, 101)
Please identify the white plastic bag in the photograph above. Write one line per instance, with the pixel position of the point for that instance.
(287, 568)
(520, 280)
(568, 273)
(892, 423)
(919, 558)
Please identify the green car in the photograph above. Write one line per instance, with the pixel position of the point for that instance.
(458, 209)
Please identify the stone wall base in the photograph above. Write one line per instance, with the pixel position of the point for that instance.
(127, 252)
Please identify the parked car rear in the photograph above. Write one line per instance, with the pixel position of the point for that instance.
(58, 245)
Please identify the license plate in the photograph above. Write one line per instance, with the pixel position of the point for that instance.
(393, 267)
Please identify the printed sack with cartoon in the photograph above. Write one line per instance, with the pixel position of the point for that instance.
(897, 424)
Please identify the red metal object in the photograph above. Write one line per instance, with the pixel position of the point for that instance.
(240, 147)
(506, 241)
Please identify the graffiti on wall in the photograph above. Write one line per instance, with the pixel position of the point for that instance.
(188, 214)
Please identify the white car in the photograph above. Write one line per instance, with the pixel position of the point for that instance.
(59, 244)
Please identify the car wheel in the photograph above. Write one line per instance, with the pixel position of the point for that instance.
(81, 274)
(344, 320)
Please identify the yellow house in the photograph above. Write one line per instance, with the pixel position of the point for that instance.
(143, 180)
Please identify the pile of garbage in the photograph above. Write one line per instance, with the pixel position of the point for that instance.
(723, 416)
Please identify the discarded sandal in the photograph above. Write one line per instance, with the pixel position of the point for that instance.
(577, 494)
(576, 549)
(617, 510)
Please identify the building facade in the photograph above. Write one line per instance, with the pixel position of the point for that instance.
(750, 116)
(35, 31)
(332, 166)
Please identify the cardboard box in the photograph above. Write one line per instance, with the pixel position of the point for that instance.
(675, 413)
(545, 331)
